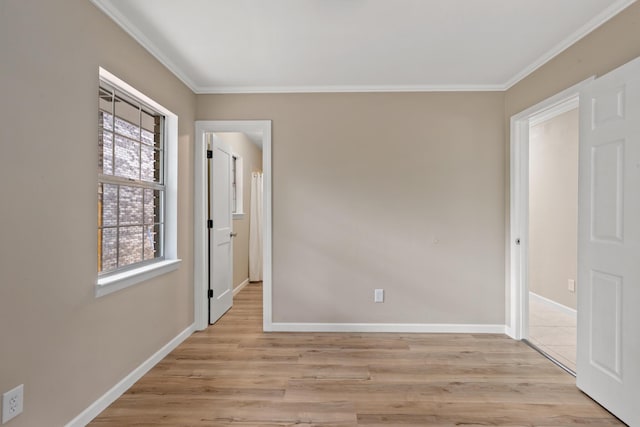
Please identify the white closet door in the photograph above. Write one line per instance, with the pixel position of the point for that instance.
(608, 358)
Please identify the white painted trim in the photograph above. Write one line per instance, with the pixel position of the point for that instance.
(581, 32)
(555, 111)
(389, 327)
(121, 20)
(123, 385)
(553, 304)
(517, 324)
(200, 241)
(262, 127)
(110, 284)
(350, 89)
(241, 286)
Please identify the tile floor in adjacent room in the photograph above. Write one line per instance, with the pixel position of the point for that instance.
(553, 331)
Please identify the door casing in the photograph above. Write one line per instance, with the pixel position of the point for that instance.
(516, 276)
(200, 230)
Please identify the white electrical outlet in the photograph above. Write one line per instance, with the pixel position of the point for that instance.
(12, 402)
(378, 295)
(571, 285)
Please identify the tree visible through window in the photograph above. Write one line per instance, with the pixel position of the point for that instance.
(131, 188)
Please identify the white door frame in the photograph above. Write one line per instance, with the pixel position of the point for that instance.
(200, 284)
(517, 325)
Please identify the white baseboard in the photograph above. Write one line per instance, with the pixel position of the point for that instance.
(117, 390)
(240, 286)
(546, 301)
(387, 327)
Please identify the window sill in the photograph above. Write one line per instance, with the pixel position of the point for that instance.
(238, 215)
(116, 282)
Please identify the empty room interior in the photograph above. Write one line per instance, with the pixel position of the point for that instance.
(319, 213)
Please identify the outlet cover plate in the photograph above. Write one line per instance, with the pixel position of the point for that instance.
(378, 295)
(12, 403)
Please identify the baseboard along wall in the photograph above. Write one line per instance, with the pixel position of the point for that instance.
(551, 303)
(118, 390)
(240, 286)
(387, 327)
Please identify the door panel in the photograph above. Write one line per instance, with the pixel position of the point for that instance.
(220, 248)
(608, 359)
(606, 191)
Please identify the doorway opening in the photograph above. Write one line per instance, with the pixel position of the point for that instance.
(246, 205)
(543, 234)
(553, 233)
(245, 147)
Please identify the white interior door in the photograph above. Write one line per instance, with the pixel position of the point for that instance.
(608, 365)
(220, 248)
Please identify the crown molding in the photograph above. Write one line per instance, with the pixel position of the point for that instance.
(123, 22)
(110, 10)
(217, 90)
(581, 32)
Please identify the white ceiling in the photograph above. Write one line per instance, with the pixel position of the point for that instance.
(237, 46)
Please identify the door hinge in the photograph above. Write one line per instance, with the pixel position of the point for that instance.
(209, 154)
(210, 293)
(210, 223)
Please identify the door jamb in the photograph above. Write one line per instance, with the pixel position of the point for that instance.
(200, 284)
(517, 327)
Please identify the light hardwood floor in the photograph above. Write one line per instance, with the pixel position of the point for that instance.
(233, 374)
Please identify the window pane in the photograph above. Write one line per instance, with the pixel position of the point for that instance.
(127, 158)
(130, 205)
(105, 121)
(129, 113)
(151, 242)
(148, 137)
(105, 153)
(127, 129)
(151, 206)
(105, 104)
(150, 164)
(149, 121)
(130, 248)
(108, 205)
(109, 239)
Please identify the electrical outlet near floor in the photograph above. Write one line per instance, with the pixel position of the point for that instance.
(378, 295)
(12, 402)
(571, 285)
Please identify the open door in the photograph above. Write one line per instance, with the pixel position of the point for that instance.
(608, 356)
(220, 230)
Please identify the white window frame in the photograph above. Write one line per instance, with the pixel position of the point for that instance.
(238, 213)
(120, 280)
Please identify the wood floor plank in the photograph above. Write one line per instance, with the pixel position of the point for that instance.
(233, 374)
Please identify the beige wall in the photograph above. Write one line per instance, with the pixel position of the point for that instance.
(252, 161)
(553, 207)
(613, 44)
(401, 191)
(63, 344)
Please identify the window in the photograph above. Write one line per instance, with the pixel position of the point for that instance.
(130, 181)
(236, 186)
(136, 167)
